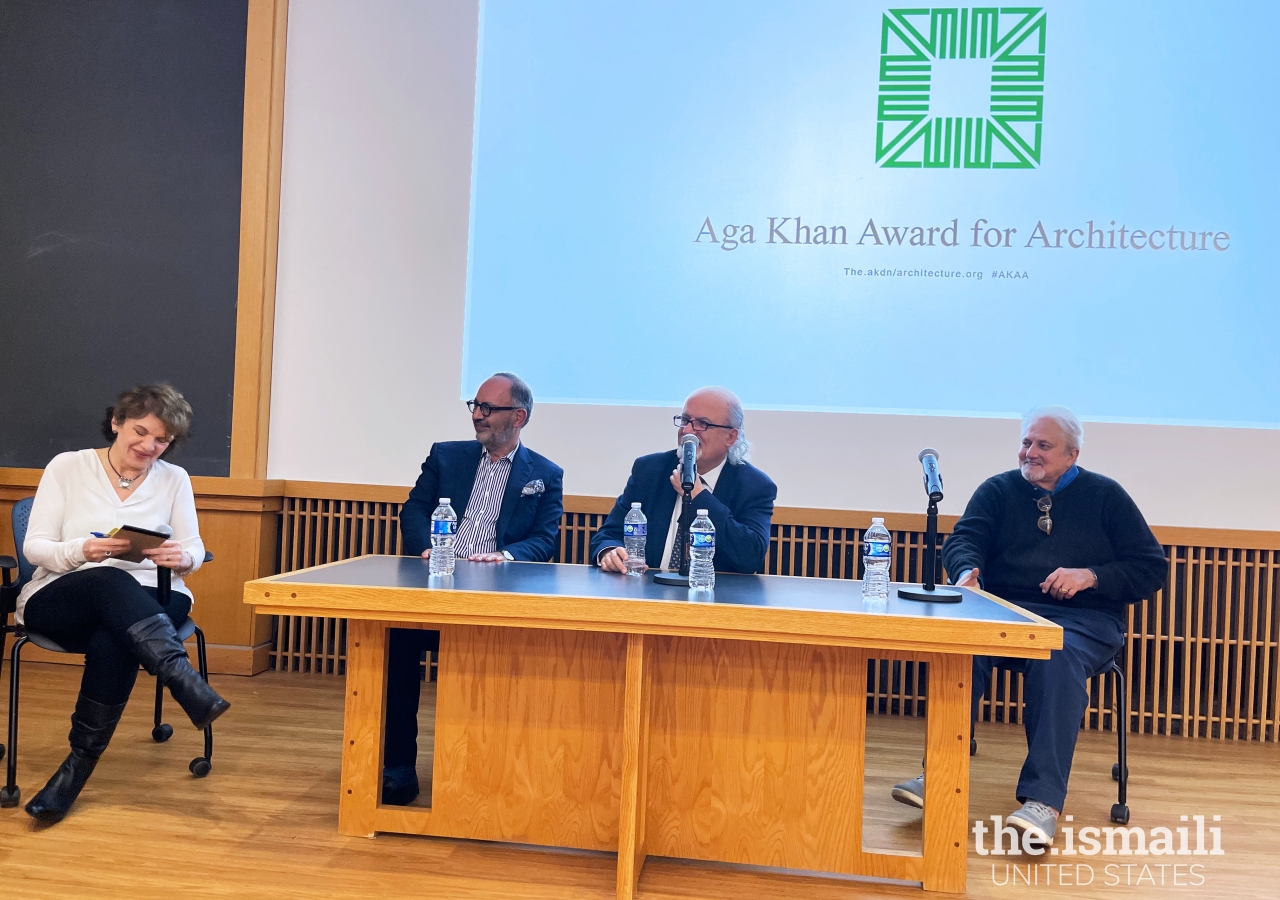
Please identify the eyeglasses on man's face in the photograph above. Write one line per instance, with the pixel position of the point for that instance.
(488, 409)
(1044, 523)
(698, 425)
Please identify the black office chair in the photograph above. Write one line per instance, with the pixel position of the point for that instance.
(10, 793)
(1120, 768)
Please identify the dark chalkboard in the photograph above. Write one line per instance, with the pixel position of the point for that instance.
(120, 142)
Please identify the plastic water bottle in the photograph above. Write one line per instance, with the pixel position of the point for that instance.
(444, 527)
(635, 530)
(877, 547)
(702, 550)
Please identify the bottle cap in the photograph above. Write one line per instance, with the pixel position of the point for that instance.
(877, 521)
(635, 505)
(444, 501)
(702, 512)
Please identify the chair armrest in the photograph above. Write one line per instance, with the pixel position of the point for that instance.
(8, 562)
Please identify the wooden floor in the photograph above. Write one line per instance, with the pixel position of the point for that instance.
(264, 823)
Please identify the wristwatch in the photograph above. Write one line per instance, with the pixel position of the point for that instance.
(508, 556)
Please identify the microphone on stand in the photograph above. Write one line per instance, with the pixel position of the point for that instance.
(688, 478)
(932, 480)
(689, 462)
(929, 592)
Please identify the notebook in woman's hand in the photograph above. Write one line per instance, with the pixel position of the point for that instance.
(139, 539)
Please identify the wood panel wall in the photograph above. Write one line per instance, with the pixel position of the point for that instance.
(1201, 657)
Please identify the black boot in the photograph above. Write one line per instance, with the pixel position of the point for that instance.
(162, 655)
(92, 725)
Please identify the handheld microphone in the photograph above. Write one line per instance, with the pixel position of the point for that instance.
(688, 462)
(164, 576)
(932, 480)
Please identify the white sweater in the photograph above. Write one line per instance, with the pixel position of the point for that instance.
(75, 498)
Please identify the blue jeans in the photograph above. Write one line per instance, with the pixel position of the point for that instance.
(1054, 691)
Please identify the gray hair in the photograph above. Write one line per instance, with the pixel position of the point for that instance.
(741, 450)
(521, 394)
(1065, 419)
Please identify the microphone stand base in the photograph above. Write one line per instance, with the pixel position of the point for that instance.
(674, 579)
(937, 595)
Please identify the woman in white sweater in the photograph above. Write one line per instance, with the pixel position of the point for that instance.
(88, 600)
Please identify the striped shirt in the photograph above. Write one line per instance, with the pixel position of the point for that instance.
(477, 532)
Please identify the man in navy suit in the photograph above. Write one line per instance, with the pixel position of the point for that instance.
(737, 496)
(508, 501)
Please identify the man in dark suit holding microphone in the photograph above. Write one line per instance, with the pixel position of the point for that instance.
(508, 501)
(737, 496)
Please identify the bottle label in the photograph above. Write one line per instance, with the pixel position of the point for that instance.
(703, 540)
(876, 550)
(636, 529)
(441, 527)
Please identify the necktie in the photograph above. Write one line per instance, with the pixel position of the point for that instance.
(680, 548)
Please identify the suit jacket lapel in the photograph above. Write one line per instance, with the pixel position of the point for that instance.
(727, 483)
(466, 479)
(662, 503)
(517, 478)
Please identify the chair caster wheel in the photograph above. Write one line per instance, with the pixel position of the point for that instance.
(9, 797)
(1115, 772)
(200, 767)
(973, 746)
(1119, 814)
(161, 733)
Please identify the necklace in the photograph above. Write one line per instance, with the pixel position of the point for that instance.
(126, 484)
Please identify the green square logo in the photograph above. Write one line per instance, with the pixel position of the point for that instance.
(910, 134)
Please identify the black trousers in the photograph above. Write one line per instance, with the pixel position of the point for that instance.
(404, 689)
(91, 612)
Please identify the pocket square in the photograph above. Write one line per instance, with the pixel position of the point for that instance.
(533, 487)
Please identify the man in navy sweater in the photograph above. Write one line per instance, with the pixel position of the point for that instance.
(508, 500)
(738, 497)
(1068, 545)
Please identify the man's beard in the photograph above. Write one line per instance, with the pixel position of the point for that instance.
(1028, 468)
(495, 438)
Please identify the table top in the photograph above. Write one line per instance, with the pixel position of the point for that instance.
(769, 607)
(564, 580)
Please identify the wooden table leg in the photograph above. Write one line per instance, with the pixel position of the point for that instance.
(362, 726)
(635, 764)
(946, 774)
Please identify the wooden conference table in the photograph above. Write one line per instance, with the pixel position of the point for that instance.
(576, 708)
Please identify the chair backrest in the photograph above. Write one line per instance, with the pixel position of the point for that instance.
(21, 516)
